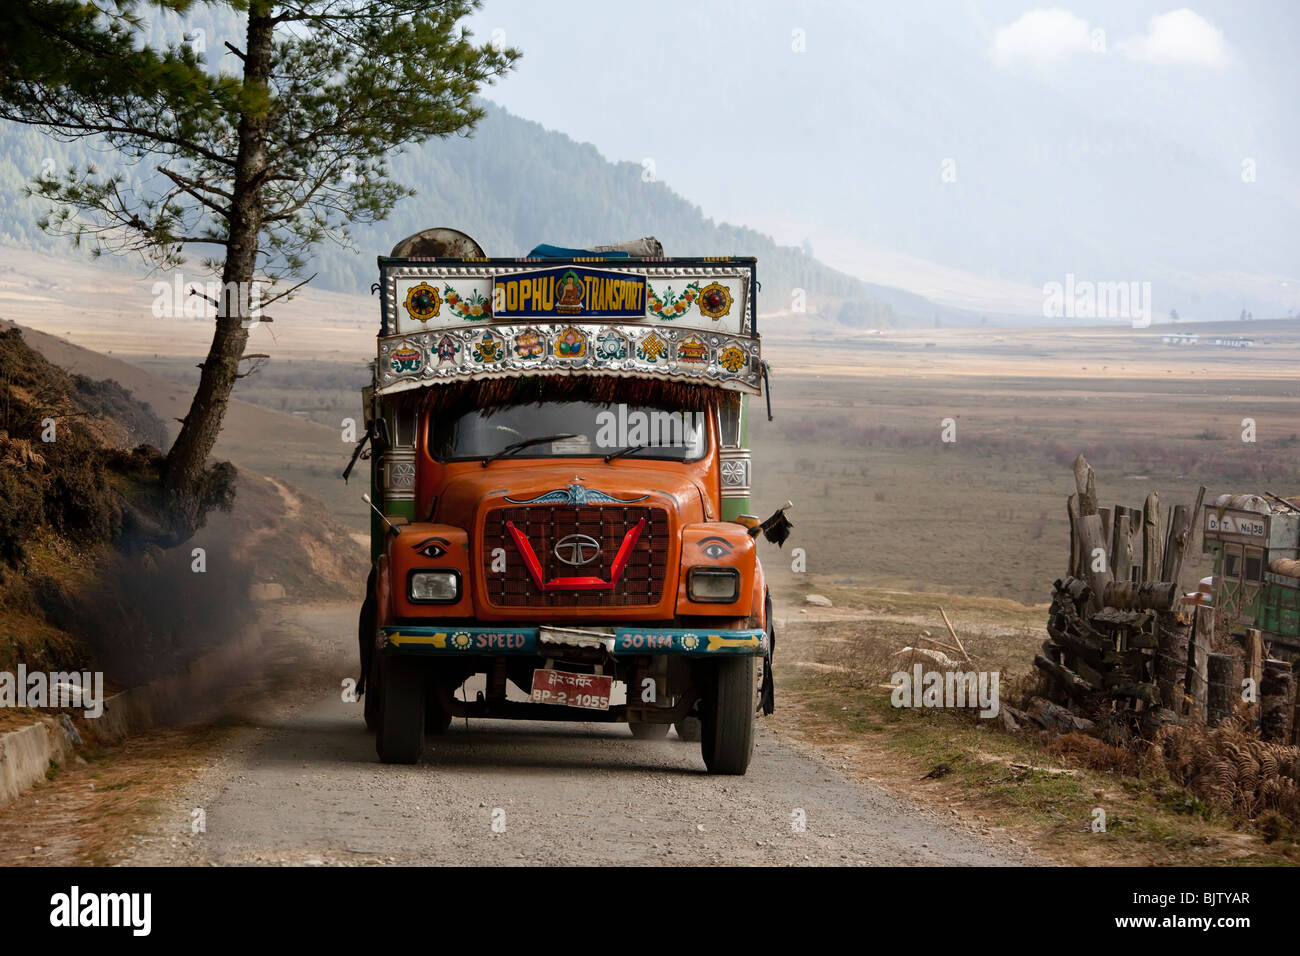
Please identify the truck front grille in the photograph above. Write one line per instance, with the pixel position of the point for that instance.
(641, 583)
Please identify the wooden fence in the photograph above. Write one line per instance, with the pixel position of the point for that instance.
(1124, 639)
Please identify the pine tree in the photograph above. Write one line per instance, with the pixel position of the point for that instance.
(260, 164)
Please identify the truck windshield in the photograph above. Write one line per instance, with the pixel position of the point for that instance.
(635, 431)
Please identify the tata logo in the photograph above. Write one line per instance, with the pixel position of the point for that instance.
(575, 550)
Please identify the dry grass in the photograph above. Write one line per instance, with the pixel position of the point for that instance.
(1082, 750)
(1194, 796)
(1231, 768)
(87, 808)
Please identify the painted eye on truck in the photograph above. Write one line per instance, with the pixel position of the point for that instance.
(431, 547)
(715, 548)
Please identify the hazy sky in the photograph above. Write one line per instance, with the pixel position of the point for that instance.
(971, 151)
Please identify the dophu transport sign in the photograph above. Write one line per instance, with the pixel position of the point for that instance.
(686, 320)
(566, 292)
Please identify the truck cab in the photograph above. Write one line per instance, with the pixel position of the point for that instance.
(560, 483)
(1255, 543)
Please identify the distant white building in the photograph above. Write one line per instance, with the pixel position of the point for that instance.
(1180, 338)
(1233, 342)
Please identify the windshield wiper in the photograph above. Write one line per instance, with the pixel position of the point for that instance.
(630, 449)
(521, 445)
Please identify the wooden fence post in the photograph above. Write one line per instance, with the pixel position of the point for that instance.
(1255, 668)
(1152, 554)
(1224, 691)
(1172, 638)
(1276, 701)
(1198, 655)
(1121, 547)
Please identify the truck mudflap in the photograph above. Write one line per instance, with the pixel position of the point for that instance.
(538, 641)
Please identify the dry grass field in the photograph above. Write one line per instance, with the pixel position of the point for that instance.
(881, 499)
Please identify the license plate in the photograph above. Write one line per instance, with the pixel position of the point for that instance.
(567, 689)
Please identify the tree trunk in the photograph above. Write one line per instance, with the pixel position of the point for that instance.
(186, 477)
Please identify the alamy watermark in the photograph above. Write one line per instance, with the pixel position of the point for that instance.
(1083, 299)
(922, 688)
(83, 690)
(180, 299)
(74, 908)
(621, 427)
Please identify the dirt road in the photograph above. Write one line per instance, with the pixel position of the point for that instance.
(302, 785)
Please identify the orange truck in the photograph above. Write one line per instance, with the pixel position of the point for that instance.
(560, 486)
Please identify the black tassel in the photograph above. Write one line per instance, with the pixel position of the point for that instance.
(777, 528)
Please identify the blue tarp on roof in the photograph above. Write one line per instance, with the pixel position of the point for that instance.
(545, 251)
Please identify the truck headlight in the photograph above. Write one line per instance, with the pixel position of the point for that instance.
(435, 587)
(716, 585)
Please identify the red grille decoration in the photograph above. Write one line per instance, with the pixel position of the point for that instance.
(629, 571)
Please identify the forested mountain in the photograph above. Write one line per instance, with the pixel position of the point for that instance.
(511, 185)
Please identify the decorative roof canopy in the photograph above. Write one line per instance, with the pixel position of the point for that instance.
(457, 320)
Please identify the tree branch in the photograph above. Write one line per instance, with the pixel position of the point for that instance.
(290, 291)
(192, 187)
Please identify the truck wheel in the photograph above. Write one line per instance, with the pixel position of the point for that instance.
(648, 731)
(370, 701)
(400, 737)
(688, 729)
(366, 641)
(436, 720)
(727, 724)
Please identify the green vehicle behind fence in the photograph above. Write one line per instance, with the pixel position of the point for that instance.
(1256, 547)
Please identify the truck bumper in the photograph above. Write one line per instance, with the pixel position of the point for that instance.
(541, 642)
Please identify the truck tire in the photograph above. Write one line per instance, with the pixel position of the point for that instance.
(370, 702)
(648, 731)
(688, 729)
(366, 622)
(436, 720)
(400, 736)
(727, 722)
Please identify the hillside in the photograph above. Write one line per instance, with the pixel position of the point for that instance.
(85, 576)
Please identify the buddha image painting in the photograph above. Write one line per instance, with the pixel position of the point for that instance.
(570, 297)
